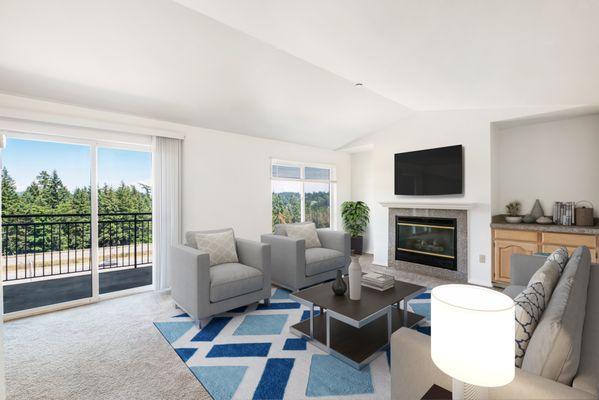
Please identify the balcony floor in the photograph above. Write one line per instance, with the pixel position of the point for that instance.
(23, 296)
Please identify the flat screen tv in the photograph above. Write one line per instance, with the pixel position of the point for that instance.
(429, 172)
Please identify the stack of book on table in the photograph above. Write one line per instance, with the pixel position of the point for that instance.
(378, 281)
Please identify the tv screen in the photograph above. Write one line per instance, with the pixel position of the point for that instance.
(429, 172)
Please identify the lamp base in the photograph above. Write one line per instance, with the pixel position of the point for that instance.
(465, 391)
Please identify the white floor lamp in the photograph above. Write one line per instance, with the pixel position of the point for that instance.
(472, 338)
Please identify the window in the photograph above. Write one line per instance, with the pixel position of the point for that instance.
(302, 193)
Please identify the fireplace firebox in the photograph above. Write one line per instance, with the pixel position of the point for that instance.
(428, 241)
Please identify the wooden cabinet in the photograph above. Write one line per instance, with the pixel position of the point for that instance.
(507, 242)
(503, 249)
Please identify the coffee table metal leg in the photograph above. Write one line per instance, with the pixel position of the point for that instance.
(328, 327)
(312, 321)
(389, 323)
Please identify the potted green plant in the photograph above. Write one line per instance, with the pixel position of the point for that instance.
(513, 211)
(355, 215)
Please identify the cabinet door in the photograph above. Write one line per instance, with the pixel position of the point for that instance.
(503, 251)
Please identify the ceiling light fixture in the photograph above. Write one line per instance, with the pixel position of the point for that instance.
(358, 84)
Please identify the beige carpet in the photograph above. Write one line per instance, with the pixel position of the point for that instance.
(109, 350)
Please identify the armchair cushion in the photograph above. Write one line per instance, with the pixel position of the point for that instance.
(219, 245)
(306, 232)
(320, 259)
(233, 279)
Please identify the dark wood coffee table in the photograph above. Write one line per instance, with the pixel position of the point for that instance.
(354, 331)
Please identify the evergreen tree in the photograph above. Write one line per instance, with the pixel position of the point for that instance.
(81, 201)
(10, 198)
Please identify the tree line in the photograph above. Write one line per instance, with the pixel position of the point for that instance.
(47, 195)
(286, 208)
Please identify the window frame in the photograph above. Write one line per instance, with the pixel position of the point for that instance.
(93, 145)
(332, 182)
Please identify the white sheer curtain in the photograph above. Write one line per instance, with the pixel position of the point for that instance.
(166, 205)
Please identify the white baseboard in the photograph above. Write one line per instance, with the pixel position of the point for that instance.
(480, 282)
(380, 262)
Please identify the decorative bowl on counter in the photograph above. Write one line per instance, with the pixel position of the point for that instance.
(513, 220)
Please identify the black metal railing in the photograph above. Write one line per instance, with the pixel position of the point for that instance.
(39, 245)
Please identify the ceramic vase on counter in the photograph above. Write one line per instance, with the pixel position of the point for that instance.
(355, 278)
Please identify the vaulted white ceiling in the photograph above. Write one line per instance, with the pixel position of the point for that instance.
(431, 54)
(286, 69)
(158, 59)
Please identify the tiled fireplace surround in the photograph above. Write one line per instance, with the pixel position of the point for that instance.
(461, 275)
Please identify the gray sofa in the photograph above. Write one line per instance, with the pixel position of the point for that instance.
(202, 290)
(294, 267)
(413, 372)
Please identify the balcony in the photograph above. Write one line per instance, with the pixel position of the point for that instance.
(46, 258)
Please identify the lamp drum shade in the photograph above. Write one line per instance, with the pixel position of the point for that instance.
(473, 334)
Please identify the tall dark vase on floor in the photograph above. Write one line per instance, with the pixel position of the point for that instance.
(357, 244)
(339, 286)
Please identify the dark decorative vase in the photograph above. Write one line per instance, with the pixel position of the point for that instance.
(339, 286)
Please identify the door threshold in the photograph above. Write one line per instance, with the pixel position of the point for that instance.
(74, 303)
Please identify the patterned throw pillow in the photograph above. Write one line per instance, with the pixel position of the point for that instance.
(220, 246)
(560, 256)
(304, 231)
(530, 304)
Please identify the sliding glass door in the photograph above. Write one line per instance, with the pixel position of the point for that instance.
(124, 219)
(46, 224)
(76, 222)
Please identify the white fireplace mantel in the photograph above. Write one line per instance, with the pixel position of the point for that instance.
(436, 205)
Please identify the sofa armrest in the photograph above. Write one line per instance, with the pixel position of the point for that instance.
(288, 259)
(190, 279)
(412, 369)
(335, 240)
(254, 254)
(523, 267)
(413, 372)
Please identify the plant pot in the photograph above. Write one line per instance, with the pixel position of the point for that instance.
(513, 220)
(357, 244)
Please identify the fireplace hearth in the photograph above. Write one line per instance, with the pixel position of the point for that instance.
(426, 241)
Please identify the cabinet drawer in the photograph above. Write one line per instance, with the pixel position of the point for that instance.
(550, 248)
(569, 239)
(524, 236)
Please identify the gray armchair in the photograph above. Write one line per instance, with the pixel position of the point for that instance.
(202, 290)
(294, 267)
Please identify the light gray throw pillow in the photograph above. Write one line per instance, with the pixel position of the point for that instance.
(304, 231)
(530, 304)
(219, 245)
(554, 350)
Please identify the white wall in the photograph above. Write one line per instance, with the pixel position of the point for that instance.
(226, 179)
(362, 189)
(550, 161)
(422, 130)
(226, 176)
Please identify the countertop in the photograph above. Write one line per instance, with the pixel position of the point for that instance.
(498, 222)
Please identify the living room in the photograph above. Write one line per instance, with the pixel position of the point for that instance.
(262, 199)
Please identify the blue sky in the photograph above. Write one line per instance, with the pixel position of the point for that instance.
(24, 160)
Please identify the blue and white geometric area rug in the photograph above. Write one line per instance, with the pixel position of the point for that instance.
(249, 353)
